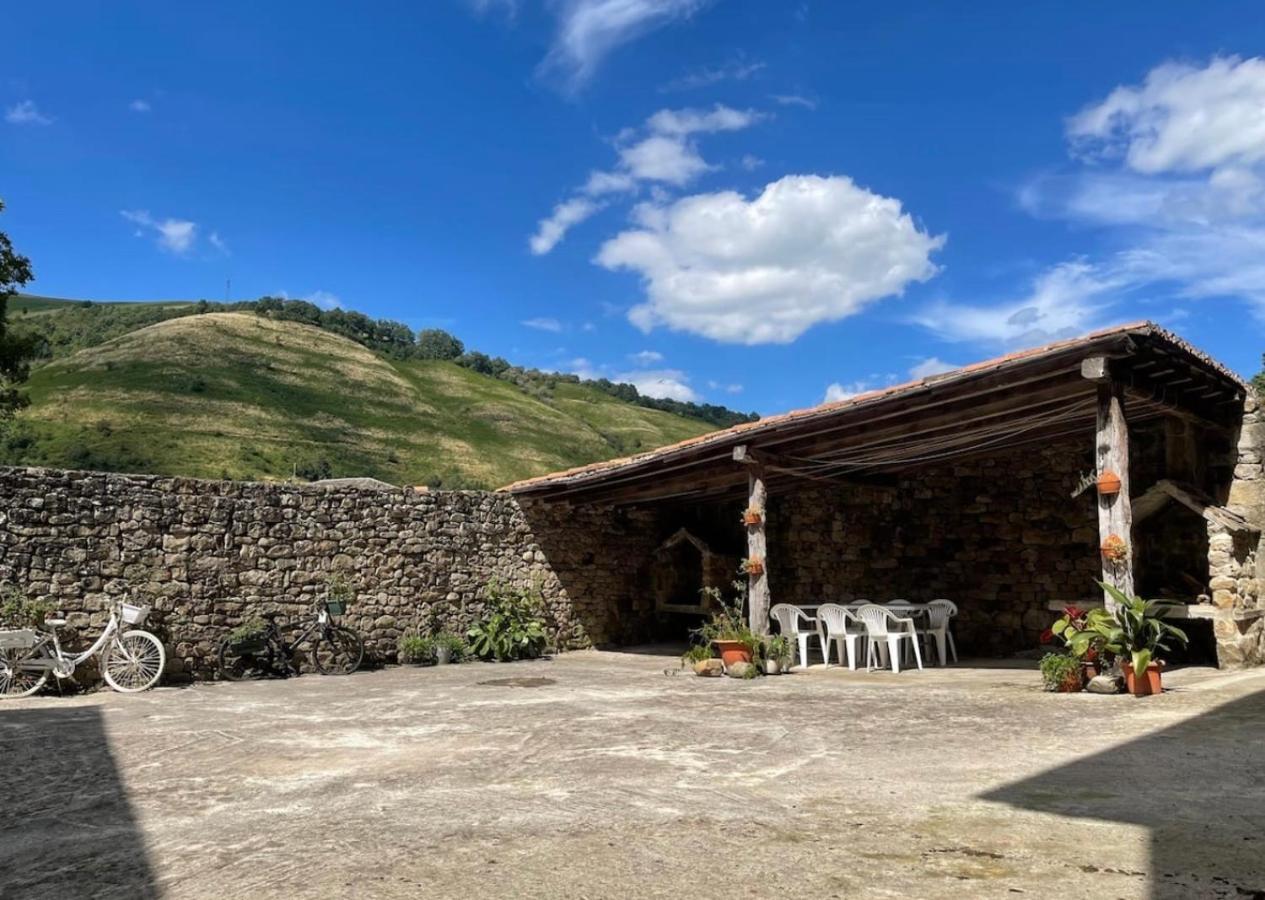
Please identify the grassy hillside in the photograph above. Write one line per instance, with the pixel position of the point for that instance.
(241, 396)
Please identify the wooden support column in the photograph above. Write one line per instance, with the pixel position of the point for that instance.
(757, 546)
(1115, 511)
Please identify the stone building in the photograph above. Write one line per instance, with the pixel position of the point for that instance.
(980, 485)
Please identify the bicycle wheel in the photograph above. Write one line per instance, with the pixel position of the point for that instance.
(337, 651)
(17, 680)
(236, 665)
(133, 661)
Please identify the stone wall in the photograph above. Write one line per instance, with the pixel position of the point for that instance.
(207, 554)
(1237, 581)
(999, 536)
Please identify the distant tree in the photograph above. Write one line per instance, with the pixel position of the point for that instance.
(16, 350)
(432, 343)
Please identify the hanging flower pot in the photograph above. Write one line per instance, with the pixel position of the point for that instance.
(753, 567)
(1114, 549)
(752, 516)
(1108, 484)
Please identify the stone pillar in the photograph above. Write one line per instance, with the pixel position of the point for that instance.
(1236, 578)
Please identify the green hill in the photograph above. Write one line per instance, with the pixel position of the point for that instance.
(230, 394)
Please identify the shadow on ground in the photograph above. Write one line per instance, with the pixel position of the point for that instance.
(68, 828)
(1206, 839)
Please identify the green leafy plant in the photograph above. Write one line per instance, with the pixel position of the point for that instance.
(20, 611)
(777, 648)
(728, 623)
(1060, 671)
(1082, 631)
(458, 649)
(1136, 630)
(338, 590)
(252, 633)
(416, 649)
(514, 626)
(696, 654)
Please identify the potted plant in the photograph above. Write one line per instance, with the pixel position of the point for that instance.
(753, 566)
(250, 637)
(449, 648)
(776, 652)
(1135, 632)
(1109, 484)
(1114, 549)
(1079, 629)
(416, 650)
(1062, 673)
(752, 515)
(728, 630)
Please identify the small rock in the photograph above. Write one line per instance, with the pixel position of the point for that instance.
(1105, 684)
(709, 668)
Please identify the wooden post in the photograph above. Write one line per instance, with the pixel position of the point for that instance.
(757, 548)
(1115, 511)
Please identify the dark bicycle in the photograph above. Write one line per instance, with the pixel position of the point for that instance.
(335, 649)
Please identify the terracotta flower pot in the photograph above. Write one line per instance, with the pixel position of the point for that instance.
(751, 518)
(1074, 682)
(733, 651)
(1147, 685)
(755, 568)
(1108, 484)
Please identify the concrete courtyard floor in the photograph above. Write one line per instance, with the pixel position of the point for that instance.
(598, 774)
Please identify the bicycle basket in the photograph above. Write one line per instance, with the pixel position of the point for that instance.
(133, 615)
(18, 639)
(335, 607)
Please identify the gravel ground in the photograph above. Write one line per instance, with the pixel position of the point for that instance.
(603, 774)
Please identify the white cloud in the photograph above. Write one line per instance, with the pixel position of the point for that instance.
(26, 113)
(807, 250)
(931, 366)
(551, 229)
(1181, 118)
(663, 152)
(1064, 301)
(588, 30)
(646, 357)
(139, 106)
(794, 100)
(727, 388)
(324, 299)
(483, 7)
(217, 242)
(543, 324)
(666, 159)
(751, 162)
(836, 391)
(173, 235)
(736, 70)
(665, 384)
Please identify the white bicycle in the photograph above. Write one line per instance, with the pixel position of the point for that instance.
(130, 660)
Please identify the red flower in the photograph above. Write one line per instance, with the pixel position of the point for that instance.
(1047, 636)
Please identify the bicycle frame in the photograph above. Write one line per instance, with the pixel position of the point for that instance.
(59, 658)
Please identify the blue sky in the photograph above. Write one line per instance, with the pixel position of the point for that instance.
(749, 203)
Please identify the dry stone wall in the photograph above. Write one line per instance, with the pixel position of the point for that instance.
(208, 554)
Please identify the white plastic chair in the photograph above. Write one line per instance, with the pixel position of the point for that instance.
(939, 612)
(840, 627)
(792, 622)
(886, 631)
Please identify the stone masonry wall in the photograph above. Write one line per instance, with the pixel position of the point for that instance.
(208, 554)
(999, 536)
(1237, 580)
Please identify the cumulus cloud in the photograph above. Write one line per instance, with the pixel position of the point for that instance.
(931, 366)
(664, 384)
(324, 299)
(26, 112)
(807, 250)
(543, 323)
(663, 152)
(588, 30)
(139, 106)
(173, 235)
(836, 391)
(1180, 119)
